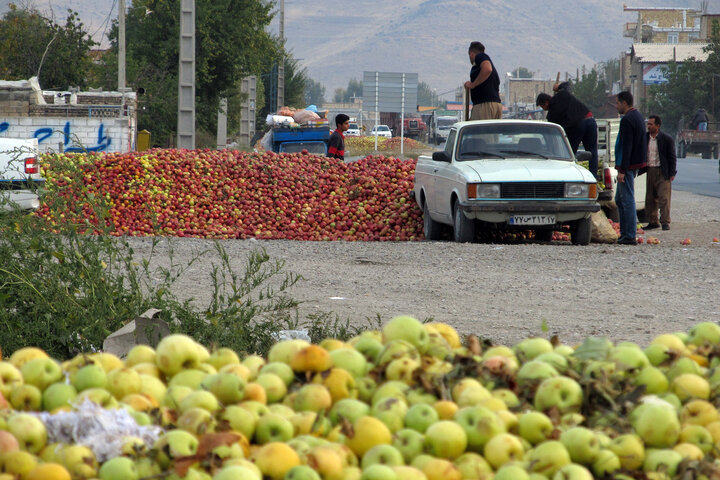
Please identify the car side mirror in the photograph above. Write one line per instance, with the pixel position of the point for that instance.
(583, 156)
(441, 156)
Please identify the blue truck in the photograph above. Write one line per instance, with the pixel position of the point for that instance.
(292, 139)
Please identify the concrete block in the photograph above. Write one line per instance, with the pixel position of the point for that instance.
(147, 329)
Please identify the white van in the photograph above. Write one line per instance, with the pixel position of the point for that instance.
(19, 173)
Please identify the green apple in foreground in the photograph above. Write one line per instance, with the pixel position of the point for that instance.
(630, 449)
(582, 444)
(41, 372)
(28, 430)
(535, 427)
(118, 468)
(378, 472)
(656, 422)
(58, 394)
(548, 457)
(382, 454)
(420, 416)
(503, 448)
(406, 328)
(410, 443)
(573, 471)
(564, 393)
(480, 425)
(511, 472)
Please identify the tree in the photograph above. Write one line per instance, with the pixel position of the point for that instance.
(314, 92)
(34, 45)
(591, 89)
(353, 90)
(426, 95)
(522, 72)
(232, 42)
(295, 86)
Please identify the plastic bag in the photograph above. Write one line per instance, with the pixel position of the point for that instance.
(302, 116)
(286, 111)
(278, 120)
(602, 231)
(267, 140)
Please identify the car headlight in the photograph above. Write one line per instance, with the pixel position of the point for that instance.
(580, 190)
(483, 190)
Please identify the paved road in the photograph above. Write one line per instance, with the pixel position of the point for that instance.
(698, 175)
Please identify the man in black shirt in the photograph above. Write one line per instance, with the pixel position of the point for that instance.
(484, 85)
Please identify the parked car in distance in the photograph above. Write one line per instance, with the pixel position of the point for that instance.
(353, 131)
(20, 175)
(381, 131)
(505, 175)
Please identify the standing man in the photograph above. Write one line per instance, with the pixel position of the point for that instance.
(661, 171)
(576, 119)
(484, 85)
(630, 156)
(700, 120)
(336, 144)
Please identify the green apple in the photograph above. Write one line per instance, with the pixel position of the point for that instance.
(473, 465)
(698, 436)
(630, 449)
(420, 416)
(99, 396)
(273, 428)
(683, 365)
(510, 472)
(239, 419)
(27, 398)
(121, 382)
(174, 395)
(573, 472)
(698, 412)
(152, 387)
(656, 422)
(274, 386)
(690, 386)
(58, 394)
(599, 369)
(530, 348)
(564, 393)
(410, 443)
(140, 354)
(177, 352)
(299, 472)
(379, 472)
(658, 354)
(402, 369)
(41, 372)
(629, 359)
(582, 444)
(348, 408)
(366, 387)
(283, 410)
(557, 360)
(118, 468)
(284, 350)
(704, 333)
(10, 377)
(480, 424)
(662, 460)
(391, 411)
(200, 399)
(282, 370)
(548, 457)
(606, 463)
(653, 378)
(535, 427)
(534, 372)
(406, 328)
(351, 360)
(390, 389)
(397, 349)
(197, 421)
(253, 363)
(29, 431)
(191, 377)
(89, 376)
(223, 356)
(382, 454)
(174, 444)
(369, 347)
(227, 388)
(503, 448)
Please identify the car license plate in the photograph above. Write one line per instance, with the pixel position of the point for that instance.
(532, 220)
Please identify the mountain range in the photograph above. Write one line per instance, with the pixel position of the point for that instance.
(337, 40)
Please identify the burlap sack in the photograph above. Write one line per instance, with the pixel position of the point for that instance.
(602, 231)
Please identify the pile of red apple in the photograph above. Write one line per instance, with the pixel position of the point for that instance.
(232, 194)
(409, 402)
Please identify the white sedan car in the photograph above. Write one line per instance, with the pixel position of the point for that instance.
(509, 175)
(381, 131)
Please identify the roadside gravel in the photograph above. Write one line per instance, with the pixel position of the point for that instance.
(504, 292)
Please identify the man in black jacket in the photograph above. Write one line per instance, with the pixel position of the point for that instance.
(576, 119)
(661, 171)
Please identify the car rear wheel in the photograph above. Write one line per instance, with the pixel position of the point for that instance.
(464, 228)
(581, 231)
(431, 229)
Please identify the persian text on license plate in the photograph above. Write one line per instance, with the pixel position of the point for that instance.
(532, 220)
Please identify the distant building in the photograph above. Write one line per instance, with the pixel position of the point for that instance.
(664, 25)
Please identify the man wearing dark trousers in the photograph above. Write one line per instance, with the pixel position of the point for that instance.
(630, 156)
(661, 171)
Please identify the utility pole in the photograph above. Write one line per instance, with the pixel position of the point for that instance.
(281, 64)
(186, 77)
(121, 45)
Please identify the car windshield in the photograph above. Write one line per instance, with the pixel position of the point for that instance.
(540, 141)
(383, 128)
(353, 126)
(445, 124)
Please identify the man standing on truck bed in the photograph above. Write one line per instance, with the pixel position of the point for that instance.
(661, 171)
(336, 144)
(484, 85)
(630, 156)
(577, 120)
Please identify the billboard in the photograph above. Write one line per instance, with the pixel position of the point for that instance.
(390, 92)
(653, 73)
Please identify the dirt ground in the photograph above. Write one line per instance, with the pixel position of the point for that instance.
(504, 292)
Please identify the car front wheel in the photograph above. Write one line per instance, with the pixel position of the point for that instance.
(581, 231)
(464, 228)
(431, 229)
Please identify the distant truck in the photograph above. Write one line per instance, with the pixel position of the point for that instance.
(414, 127)
(20, 175)
(706, 143)
(439, 125)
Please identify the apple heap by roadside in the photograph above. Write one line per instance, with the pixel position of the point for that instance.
(232, 194)
(409, 402)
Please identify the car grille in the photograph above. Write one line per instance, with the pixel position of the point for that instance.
(412, 124)
(533, 190)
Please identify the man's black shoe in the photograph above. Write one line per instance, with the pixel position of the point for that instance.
(627, 241)
(666, 226)
(651, 226)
